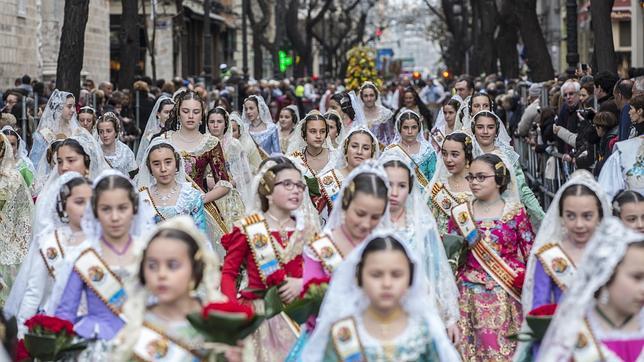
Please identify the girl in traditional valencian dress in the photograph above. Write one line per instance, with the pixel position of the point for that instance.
(180, 273)
(310, 145)
(257, 117)
(410, 138)
(58, 119)
(601, 317)
(378, 308)
(162, 185)
(449, 187)
(490, 136)
(239, 131)
(237, 160)
(15, 218)
(155, 125)
(573, 216)
(289, 118)
(499, 235)
(269, 243)
(335, 127)
(113, 224)
(117, 154)
(23, 163)
(414, 224)
(378, 116)
(203, 156)
(358, 146)
(53, 249)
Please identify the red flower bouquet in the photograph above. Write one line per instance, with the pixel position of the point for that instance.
(50, 338)
(226, 322)
(276, 279)
(310, 300)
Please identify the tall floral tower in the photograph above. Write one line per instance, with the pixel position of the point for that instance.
(361, 68)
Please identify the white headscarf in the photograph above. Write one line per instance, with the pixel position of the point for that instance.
(298, 143)
(604, 252)
(502, 140)
(22, 150)
(420, 137)
(442, 174)
(337, 214)
(151, 128)
(552, 229)
(145, 177)
(441, 122)
(264, 113)
(340, 157)
(427, 243)
(51, 116)
(345, 298)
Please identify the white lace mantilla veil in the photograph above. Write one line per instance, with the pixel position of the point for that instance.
(463, 115)
(424, 144)
(22, 154)
(97, 164)
(604, 252)
(145, 178)
(307, 222)
(296, 111)
(502, 140)
(297, 142)
(339, 160)
(246, 140)
(427, 243)
(139, 296)
(345, 298)
(384, 113)
(49, 221)
(50, 125)
(142, 223)
(441, 123)
(151, 128)
(552, 230)
(336, 218)
(441, 174)
(264, 113)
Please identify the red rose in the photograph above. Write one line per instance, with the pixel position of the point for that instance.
(276, 278)
(314, 281)
(228, 307)
(544, 310)
(21, 351)
(518, 281)
(49, 324)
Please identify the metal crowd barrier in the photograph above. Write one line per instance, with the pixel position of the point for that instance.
(543, 176)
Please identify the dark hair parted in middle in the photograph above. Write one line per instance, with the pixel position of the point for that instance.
(367, 183)
(113, 182)
(381, 244)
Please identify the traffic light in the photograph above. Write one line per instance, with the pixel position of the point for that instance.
(285, 60)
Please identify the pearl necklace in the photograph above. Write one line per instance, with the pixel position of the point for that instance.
(163, 199)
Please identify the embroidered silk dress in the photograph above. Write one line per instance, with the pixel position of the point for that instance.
(488, 312)
(416, 344)
(273, 340)
(381, 126)
(624, 169)
(268, 139)
(188, 203)
(207, 158)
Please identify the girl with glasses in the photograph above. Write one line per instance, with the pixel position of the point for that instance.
(499, 236)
